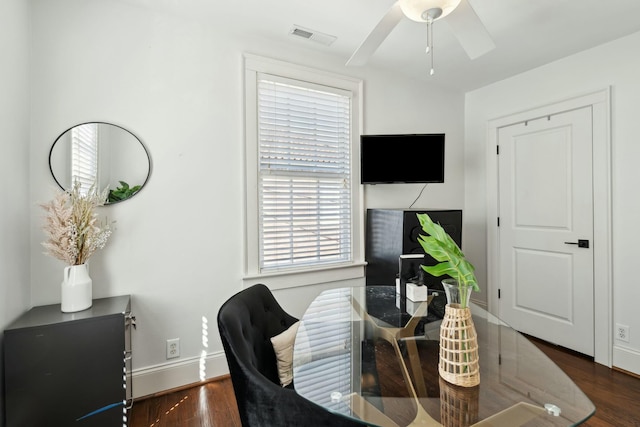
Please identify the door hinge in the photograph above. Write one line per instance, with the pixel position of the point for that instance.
(497, 149)
(498, 221)
(499, 294)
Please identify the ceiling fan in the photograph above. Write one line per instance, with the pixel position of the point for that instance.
(463, 20)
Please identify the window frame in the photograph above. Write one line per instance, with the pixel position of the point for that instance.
(254, 66)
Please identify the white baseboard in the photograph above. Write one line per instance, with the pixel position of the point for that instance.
(626, 359)
(482, 304)
(153, 379)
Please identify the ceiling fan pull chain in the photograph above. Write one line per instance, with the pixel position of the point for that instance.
(428, 39)
(430, 43)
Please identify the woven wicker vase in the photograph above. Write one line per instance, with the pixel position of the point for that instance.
(458, 347)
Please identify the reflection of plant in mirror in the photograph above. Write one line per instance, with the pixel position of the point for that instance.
(123, 192)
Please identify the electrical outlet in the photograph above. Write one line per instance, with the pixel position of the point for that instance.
(173, 348)
(622, 332)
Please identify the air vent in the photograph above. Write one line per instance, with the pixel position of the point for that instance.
(302, 33)
(312, 35)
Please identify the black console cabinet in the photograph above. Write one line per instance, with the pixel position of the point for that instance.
(60, 367)
(392, 232)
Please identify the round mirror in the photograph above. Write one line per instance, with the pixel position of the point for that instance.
(101, 155)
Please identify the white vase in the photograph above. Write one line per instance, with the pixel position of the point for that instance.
(76, 289)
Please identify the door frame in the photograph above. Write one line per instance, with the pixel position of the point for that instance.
(600, 102)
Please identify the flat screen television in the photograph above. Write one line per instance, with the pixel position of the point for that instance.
(406, 158)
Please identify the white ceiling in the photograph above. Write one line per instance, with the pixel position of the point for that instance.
(527, 33)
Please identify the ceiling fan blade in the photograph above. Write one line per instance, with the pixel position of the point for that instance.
(470, 31)
(376, 36)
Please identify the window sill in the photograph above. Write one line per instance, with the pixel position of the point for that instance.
(295, 278)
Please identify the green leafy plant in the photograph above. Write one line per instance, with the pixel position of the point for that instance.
(451, 260)
(123, 192)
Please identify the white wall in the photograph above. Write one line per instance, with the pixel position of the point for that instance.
(14, 165)
(616, 65)
(409, 108)
(176, 82)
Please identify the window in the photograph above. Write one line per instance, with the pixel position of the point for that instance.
(304, 179)
(302, 201)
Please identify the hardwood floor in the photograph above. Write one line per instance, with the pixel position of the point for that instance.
(615, 394)
(211, 404)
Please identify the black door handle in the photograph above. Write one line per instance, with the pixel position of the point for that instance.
(582, 243)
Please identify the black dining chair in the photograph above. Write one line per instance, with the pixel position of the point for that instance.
(246, 323)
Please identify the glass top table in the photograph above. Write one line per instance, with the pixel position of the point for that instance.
(367, 354)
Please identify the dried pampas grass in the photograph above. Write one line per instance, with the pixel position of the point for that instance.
(72, 227)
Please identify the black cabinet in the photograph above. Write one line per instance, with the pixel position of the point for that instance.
(59, 367)
(392, 232)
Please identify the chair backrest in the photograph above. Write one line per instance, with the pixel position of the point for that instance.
(246, 322)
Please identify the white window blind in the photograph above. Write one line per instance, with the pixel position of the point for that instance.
(304, 176)
(84, 156)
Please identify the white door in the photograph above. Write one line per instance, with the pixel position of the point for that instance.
(546, 209)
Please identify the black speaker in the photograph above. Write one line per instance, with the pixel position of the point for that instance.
(391, 233)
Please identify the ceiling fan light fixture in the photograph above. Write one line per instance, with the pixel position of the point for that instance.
(418, 10)
(465, 24)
